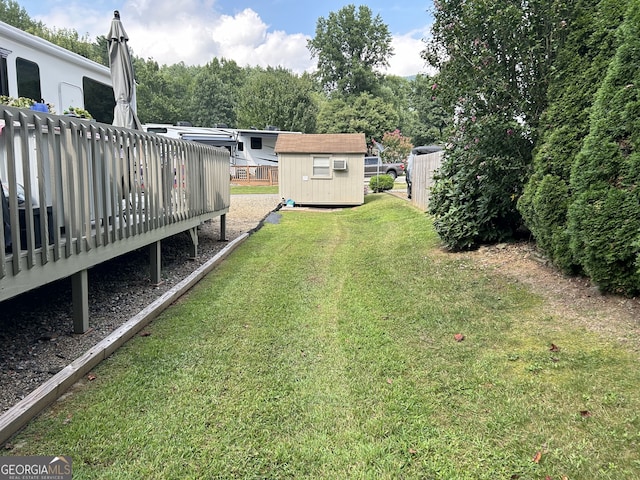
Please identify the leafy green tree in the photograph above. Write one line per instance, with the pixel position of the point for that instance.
(163, 93)
(350, 45)
(215, 93)
(494, 59)
(604, 215)
(397, 147)
(13, 14)
(101, 50)
(213, 102)
(396, 91)
(587, 42)
(495, 55)
(363, 114)
(276, 96)
(432, 120)
(475, 192)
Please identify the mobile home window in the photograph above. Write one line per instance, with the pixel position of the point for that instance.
(4, 75)
(28, 77)
(256, 143)
(99, 100)
(321, 167)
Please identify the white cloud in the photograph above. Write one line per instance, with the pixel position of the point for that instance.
(245, 38)
(193, 32)
(406, 60)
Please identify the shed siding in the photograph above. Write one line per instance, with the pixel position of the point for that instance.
(342, 187)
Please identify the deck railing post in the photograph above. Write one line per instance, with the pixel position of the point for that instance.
(80, 300)
(155, 268)
(223, 227)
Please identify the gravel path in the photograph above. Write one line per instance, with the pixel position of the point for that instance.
(36, 329)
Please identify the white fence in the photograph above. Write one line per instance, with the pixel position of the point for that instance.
(423, 169)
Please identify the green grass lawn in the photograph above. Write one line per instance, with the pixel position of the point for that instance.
(253, 189)
(324, 347)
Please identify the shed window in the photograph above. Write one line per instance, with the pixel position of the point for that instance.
(321, 167)
(28, 76)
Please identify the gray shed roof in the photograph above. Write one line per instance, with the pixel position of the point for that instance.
(321, 143)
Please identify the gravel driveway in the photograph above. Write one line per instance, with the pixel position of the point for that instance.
(36, 329)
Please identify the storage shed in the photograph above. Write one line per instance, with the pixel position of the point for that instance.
(322, 169)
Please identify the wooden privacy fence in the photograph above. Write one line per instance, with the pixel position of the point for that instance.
(424, 166)
(254, 175)
(77, 193)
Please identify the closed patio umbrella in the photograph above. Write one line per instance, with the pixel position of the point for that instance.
(124, 114)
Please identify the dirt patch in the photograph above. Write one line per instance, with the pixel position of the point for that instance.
(574, 299)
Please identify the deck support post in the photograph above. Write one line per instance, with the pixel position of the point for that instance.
(223, 227)
(80, 300)
(193, 248)
(155, 265)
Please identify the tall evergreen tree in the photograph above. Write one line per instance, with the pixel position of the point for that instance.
(604, 215)
(582, 61)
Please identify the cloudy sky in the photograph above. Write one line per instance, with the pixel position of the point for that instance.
(251, 32)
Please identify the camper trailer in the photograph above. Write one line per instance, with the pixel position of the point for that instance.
(33, 68)
(252, 152)
(248, 147)
(256, 147)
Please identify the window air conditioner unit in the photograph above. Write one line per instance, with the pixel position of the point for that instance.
(339, 164)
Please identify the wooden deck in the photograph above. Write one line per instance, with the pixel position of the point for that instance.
(93, 192)
(254, 175)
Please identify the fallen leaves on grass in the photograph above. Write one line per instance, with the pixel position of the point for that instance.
(585, 413)
(554, 348)
(537, 457)
(91, 377)
(458, 337)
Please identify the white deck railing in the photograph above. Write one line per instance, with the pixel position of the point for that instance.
(79, 193)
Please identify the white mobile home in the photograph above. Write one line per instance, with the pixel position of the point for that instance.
(322, 169)
(33, 68)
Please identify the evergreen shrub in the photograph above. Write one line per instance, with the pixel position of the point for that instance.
(380, 183)
(475, 191)
(604, 216)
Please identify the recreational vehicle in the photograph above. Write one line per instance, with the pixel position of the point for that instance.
(257, 147)
(248, 147)
(252, 152)
(33, 68)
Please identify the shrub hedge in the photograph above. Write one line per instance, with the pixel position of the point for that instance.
(581, 61)
(473, 199)
(380, 183)
(604, 216)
